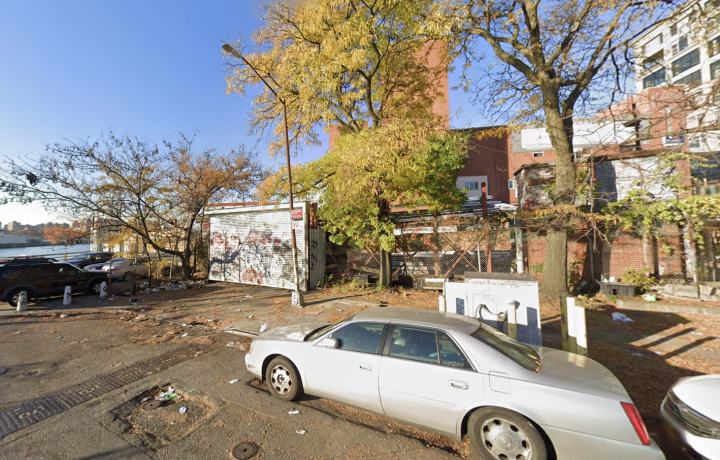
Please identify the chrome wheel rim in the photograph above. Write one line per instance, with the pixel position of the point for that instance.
(281, 380)
(505, 440)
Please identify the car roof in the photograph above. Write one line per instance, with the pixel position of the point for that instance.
(419, 317)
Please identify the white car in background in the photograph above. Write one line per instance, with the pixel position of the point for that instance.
(692, 410)
(127, 269)
(454, 375)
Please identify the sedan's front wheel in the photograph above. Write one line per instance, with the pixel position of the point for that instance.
(500, 434)
(283, 379)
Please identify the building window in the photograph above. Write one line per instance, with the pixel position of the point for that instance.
(714, 46)
(686, 62)
(538, 154)
(715, 70)
(673, 30)
(511, 184)
(693, 79)
(654, 79)
(654, 60)
(471, 185)
(682, 43)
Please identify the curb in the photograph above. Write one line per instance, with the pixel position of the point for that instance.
(659, 307)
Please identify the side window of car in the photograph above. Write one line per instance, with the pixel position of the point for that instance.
(415, 344)
(450, 355)
(362, 337)
(68, 271)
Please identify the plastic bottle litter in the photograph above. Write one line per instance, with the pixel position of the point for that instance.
(293, 412)
(263, 328)
(183, 410)
(300, 431)
(621, 317)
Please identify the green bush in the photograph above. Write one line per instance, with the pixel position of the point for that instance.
(640, 278)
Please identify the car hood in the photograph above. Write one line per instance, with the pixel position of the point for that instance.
(296, 333)
(576, 372)
(701, 394)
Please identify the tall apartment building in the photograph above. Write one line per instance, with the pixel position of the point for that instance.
(684, 49)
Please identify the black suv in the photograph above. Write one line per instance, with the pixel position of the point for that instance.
(45, 279)
(89, 258)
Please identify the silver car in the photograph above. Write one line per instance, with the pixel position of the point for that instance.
(692, 412)
(455, 376)
(127, 269)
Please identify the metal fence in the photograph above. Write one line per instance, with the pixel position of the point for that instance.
(674, 257)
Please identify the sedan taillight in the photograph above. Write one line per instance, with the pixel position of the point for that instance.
(637, 422)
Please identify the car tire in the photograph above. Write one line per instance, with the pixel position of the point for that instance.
(128, 276)
(498, 433)
(94, 287)
(12, 296)
(283, 379)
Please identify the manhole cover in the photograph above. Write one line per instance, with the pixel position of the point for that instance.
(152, 405)
(244, 451)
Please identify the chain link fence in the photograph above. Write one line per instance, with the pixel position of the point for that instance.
(675, 260)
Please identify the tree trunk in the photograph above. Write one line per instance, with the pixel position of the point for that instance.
(385, 270)
(560, 130)
(554, 280)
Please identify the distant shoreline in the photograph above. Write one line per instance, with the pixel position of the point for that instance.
(25, 245)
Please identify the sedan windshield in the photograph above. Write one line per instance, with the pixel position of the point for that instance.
(321, 330)
(522, 354)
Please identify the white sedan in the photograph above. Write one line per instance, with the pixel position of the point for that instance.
(456, 376)
(692, 410)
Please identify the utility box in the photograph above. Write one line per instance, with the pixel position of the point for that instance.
(490, 297)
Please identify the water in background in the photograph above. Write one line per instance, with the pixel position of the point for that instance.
(50, 251)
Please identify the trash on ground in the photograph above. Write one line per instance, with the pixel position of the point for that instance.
(183, 410)
(167, 394)
(300, 431)
(64, 315)
(145, 400)
(250, 316)
(293, 412)
(184, 335)
(649, 297)
(248, 297)
(234, 381)
(142, 310)
(3, 370)
(263, 328)
(621, 317)
(82, 341)
(133, 300)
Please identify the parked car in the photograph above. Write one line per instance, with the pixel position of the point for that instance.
(89, 258)
(691, 410)
(454, 375)
(44, 279)
(102, 264)
(127, 269)
(26, 260)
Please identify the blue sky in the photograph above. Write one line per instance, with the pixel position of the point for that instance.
(73, 69)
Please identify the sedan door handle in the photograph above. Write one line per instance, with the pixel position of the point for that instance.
(366, 367)
(458, 384)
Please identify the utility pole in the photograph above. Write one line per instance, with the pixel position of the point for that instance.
(297, 298)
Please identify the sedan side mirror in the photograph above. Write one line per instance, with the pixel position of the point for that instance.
(329, 342)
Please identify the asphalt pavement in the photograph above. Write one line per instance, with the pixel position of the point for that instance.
(77, 382)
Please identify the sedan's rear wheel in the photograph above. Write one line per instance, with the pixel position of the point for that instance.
(283, 379)
(500, 434)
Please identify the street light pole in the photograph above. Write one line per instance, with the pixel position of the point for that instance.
(297, 297)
